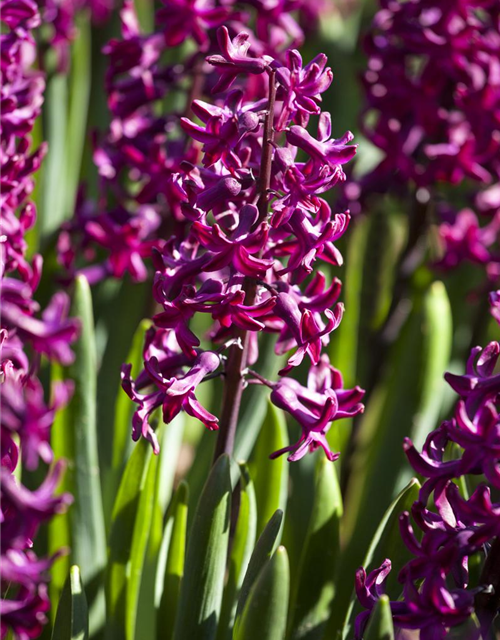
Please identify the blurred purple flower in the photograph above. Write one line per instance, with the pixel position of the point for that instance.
(453, 528)
(495, 305)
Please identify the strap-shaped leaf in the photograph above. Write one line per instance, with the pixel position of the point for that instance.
(264, 549)
(380, 626)
(175, 536)
(88, 538)
(152, 569)
(53, 193)
(241, 551)
(79, 94)
(264, 616)
(112, 301)
(124, 409)
(143, 530)
(59, 527)
(121, 539)
(254, 404)
(72, 618)
(203, 581)
(314, 592)
(270, 476)
(386, 543)
(406, 403)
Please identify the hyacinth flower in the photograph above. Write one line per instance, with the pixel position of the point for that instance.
(27, 334)
(465, 240)
(432, 105)
(433, 132)
(495, 305)
(255, 230)
(455, 525)
(142, 158)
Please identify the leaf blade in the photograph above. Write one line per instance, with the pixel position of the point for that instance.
(202, 584)
(265, 613)
(72, 619)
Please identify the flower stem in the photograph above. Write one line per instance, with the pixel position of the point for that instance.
(238, 355)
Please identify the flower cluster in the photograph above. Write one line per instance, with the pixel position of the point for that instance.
(150, 83)
(432, 84)
(433, 110)
(495, 305)
(25, 336)
(464, 239)
(455, 522)
(61, 16)
(255, 224)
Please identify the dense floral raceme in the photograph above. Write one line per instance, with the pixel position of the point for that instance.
(25, 336)
(253, 227)
(458, 519)
(59, 18)
(464, 238)
(432, 83)
(150, 83)
(433, 110)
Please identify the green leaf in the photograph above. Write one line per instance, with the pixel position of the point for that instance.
(143, 526)
(88, 532)
(124, 409)
(59, 527)
(175, 535)
(241, 551)
(152, 572)
(72, 619)
(122, 538)
(79, 94)
(264, 549)
(344, 344)
(270, 476)
(170, 440)
(265, 612)
(380, 626)
(52, 212)
(386, 543)
(145, 14)
(203, 581)
(319, 562)
(254, 402)
(406, 403)
(112, 301)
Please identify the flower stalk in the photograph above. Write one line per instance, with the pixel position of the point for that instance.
(238, 353)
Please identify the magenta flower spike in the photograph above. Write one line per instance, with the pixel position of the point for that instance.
(26, 333)
(453, 527)
(253, 229)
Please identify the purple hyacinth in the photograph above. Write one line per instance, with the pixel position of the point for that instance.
(454, 525)
(433, 111)
(431, 83)
(61, 15)
(495, 305)
(143, 159)
(465, 239)
(26, 332)
(254, 227)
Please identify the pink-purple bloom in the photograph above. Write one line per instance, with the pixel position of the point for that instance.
(27, 334)
(246, 255)
(453, 527)
(432, 84)
(495, 305)
(433, 111)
